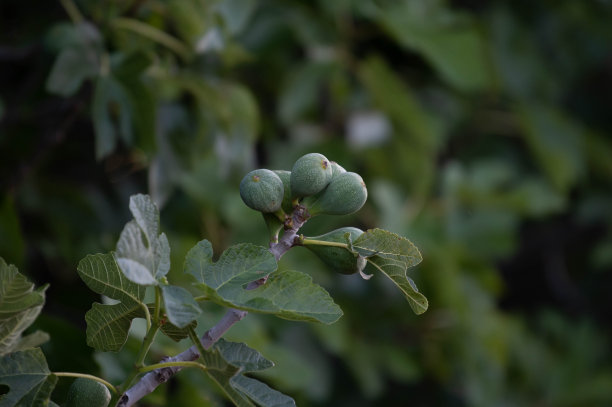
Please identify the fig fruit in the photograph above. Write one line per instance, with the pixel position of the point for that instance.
(310, 174)
(87, 393)
(285, 177)
(262, 190)
(338, 259)
(337, 169)
(345, 194)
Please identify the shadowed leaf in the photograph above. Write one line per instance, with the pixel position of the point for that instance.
(392, 255)
(20, 304)
(108, 325)
(228, 361)
(286, 294)
(28, 377)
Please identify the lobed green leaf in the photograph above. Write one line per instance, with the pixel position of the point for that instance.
(28, 377)
(261, 393)
(180, 306)
(228, 361)
(20, 304)
(392, 255)
(142, 253)
(238, 265)
(108, 325)
(286, 294)
(102, 275)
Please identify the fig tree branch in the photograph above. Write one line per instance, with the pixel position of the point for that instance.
(149, 382)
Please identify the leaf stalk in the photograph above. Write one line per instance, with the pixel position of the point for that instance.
(88, 376)
(314, 242)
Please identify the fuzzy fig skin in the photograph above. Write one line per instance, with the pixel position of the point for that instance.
(87, 393)
(344, 195)
(310, 174)
(337, 169)
(262, 190)
(285, 176)
(337, 258)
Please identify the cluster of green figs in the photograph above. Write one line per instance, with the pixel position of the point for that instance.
(319, 185)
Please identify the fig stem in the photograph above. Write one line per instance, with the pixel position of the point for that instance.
(196, 341)
(157, 306)
(88, 376)
(146, 345)
(314, 242)
(281, 215)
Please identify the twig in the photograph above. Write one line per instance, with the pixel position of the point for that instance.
(151, 380)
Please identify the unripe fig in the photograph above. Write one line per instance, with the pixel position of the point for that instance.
(262, 190)
(337, 169)
(285, 176)
(345, 194)
(338, 259)
(87, 393)
(310, 174)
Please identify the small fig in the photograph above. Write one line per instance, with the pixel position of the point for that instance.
(310, 174)
(262, 190)
(87, 393)
(345, 194)
(337, 169)
(285, 176)
(338, 259)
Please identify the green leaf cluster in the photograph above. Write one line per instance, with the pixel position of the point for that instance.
(27, 375)
(228, 362)
(142, 259)
(286, 294)
(20, 305)
(23, 367)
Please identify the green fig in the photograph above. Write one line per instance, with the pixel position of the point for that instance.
(285, 176)
(338, 259)
(337, 169)
(345, 194)
(87, 393)
(310, 174)
(262, 190)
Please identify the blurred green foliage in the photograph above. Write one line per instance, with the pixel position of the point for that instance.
(480, 127)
